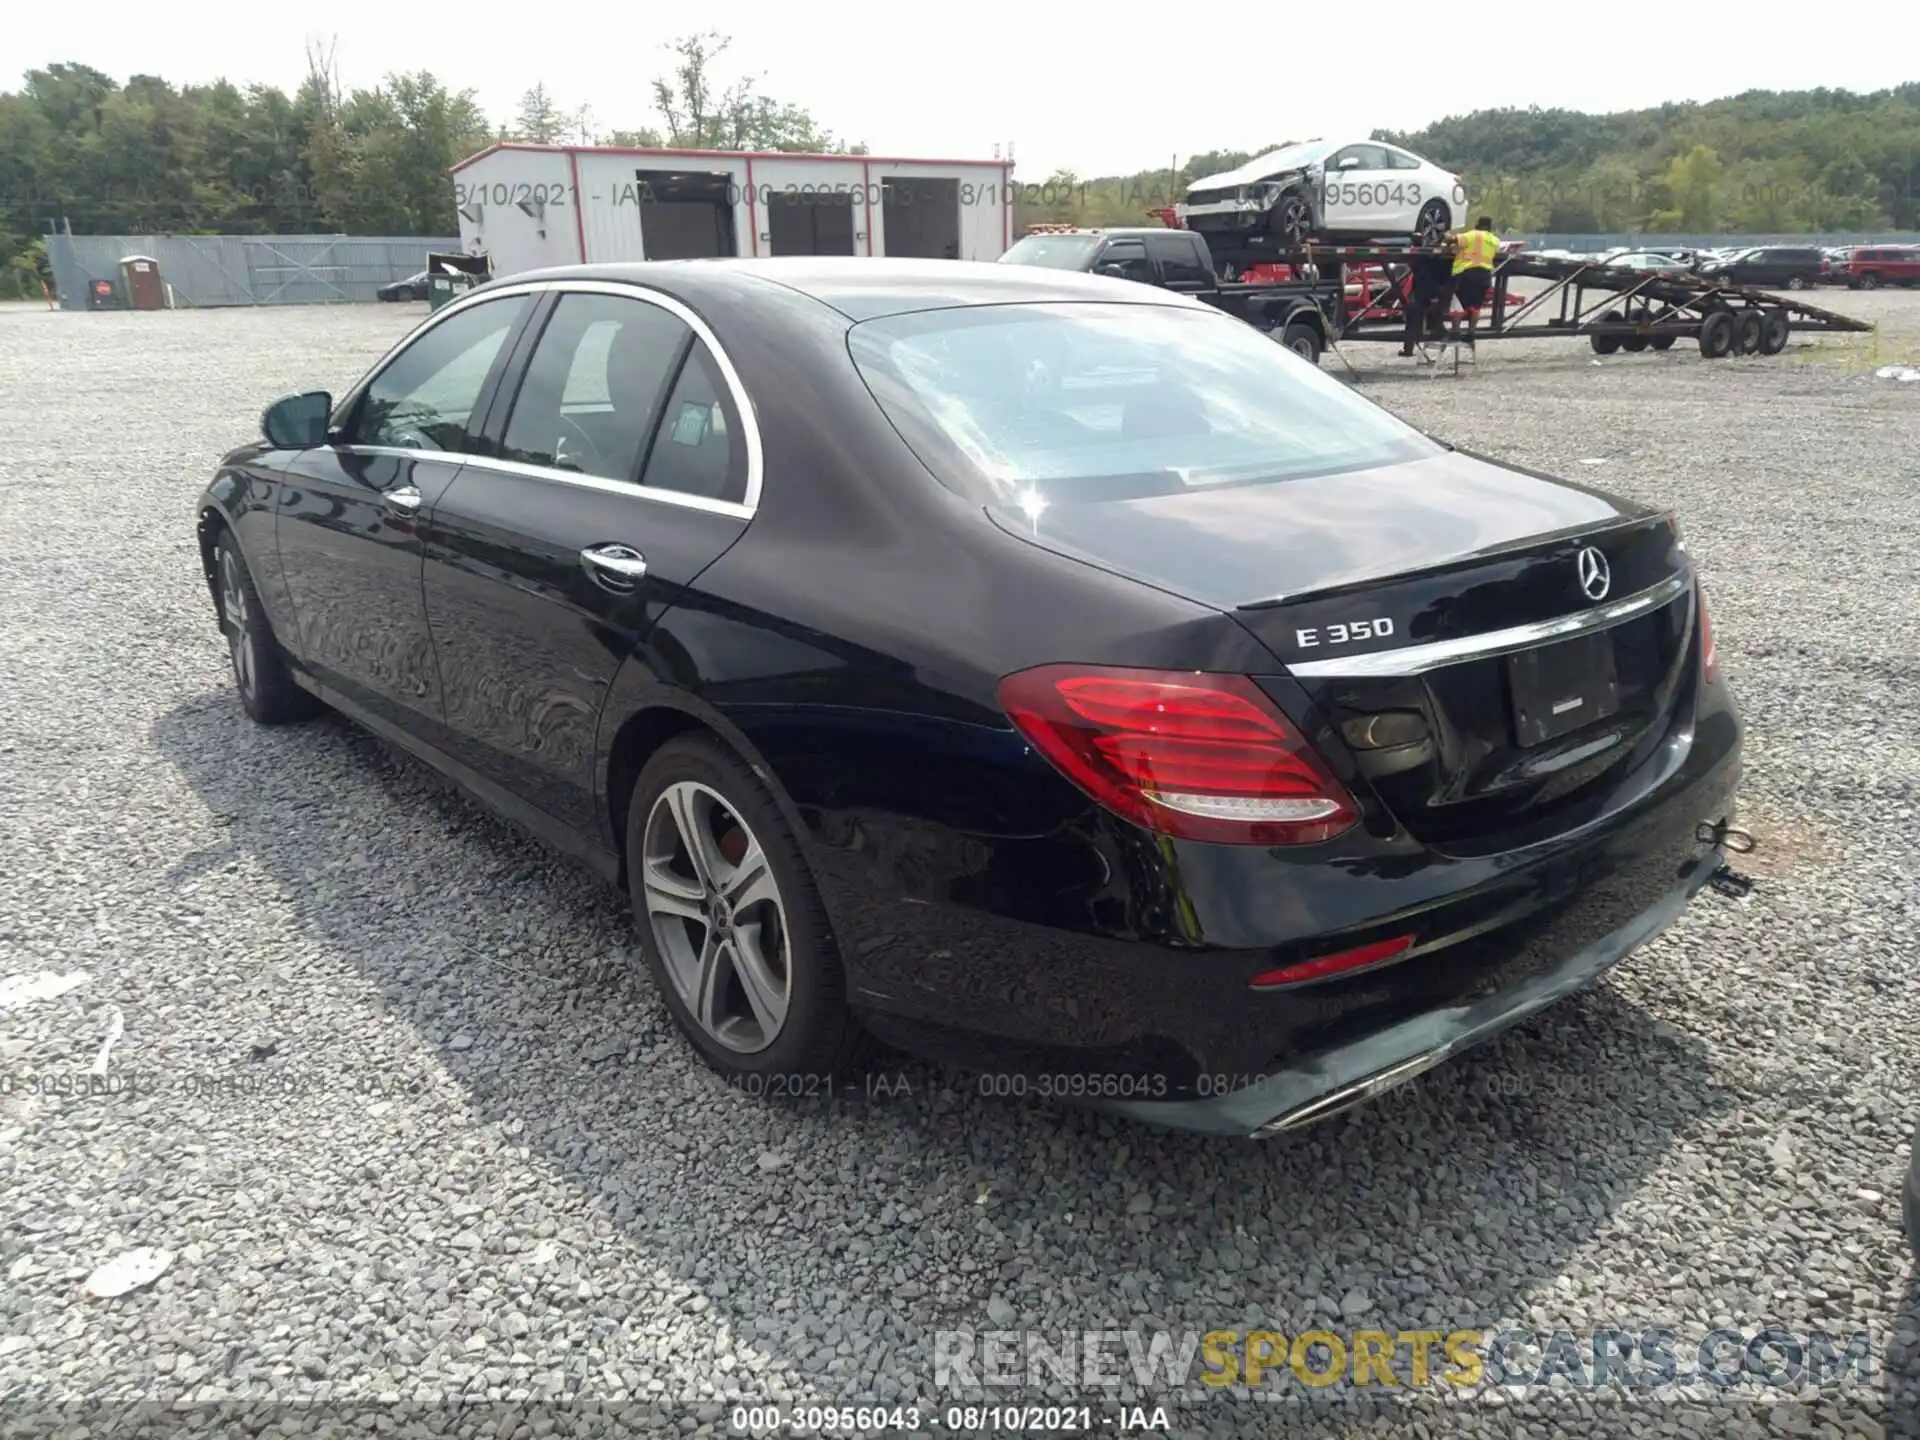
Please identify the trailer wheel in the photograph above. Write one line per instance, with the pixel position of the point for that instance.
(1303, 339)
(1716, 335)
(1748, 330)
(1606, 344)
(1774, 329)
(1663, 342)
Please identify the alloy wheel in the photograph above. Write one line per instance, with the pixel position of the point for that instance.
(1296, 220)
(233, 605)
(717, 916)
(1431, 227)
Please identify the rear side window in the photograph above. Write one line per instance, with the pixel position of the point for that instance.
(700, 447)
(1066, 403)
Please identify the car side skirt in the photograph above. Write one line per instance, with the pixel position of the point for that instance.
(602, 860)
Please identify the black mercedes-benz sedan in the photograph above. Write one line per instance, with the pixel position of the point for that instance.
(1043, 673)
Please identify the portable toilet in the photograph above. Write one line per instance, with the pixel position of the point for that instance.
(145, 289)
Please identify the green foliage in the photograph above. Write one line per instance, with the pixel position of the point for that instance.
(148, 157)
(1763, 162)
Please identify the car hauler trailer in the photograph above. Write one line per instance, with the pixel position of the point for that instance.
(1614, 307)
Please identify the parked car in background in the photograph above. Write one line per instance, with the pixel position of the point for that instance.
(1774, 267)
(1871, 266)
(1178, 726)
(414, 287)
(1328, 190)
(1646, 260)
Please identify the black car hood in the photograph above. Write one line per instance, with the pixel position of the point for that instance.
(1238, 544)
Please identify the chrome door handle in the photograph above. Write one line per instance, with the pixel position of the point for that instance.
(403, 501)
(614, 566)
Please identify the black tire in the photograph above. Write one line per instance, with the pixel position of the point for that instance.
(1663, 342)
(1635, 343)
(1749, 328)
(1796, 282)
(1290, 222)
(1870, 281)
(1606, 344)
(260, 671)
(1911, 1192)
(818, 1035)
(1434, 220)
(1716, 335)
(1303, 339)
(1775, 327)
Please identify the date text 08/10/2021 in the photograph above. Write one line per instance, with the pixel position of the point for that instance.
(988, 1419)
(877, 192)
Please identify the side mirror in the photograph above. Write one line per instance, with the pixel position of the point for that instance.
(1350, 162)
(297, 422)
(1113, 272)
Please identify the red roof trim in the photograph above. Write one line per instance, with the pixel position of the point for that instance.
(719, 155)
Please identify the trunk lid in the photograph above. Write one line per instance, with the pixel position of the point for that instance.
(1493, 648)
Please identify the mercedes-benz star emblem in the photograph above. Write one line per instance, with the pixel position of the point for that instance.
(1596, 577)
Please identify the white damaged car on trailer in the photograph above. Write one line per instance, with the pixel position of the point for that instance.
(1326, 190)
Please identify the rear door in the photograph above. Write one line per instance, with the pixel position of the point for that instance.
(348, 513)
(618, 463)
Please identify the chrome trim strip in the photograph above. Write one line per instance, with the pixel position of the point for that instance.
(606, 486)
(1418, 659)
(750, 423)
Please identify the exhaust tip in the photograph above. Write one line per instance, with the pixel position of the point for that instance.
(1349, 1096)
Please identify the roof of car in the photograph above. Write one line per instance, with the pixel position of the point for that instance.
(864, 287)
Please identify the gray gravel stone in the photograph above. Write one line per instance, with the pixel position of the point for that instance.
(436, 1183)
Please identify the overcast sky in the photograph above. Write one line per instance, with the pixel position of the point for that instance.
(1096, 90)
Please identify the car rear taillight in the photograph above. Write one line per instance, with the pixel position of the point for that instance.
(1709, 651)
(1198, 756)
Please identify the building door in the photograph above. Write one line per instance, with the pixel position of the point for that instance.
(685, 216)
(802, 224)
(922, 218)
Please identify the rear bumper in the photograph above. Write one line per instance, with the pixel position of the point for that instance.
(1328, 1083)
(1167, 1028)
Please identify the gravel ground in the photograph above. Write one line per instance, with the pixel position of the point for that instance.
(409, 1130)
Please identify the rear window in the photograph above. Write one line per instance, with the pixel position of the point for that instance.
(1084, 402)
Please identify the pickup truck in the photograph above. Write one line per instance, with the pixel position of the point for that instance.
(1294, 312)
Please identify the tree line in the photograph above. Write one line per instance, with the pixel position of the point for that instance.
(1785, 162)
(149, 156)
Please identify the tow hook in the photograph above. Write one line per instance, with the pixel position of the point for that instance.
(1727, 880)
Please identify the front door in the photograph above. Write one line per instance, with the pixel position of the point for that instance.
(617, 476)
(1359, 187)
(347, 524)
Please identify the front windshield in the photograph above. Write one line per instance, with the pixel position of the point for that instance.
(1047, 403)
(1057, 252)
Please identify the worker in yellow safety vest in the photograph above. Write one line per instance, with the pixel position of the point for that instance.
(1475, 252)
